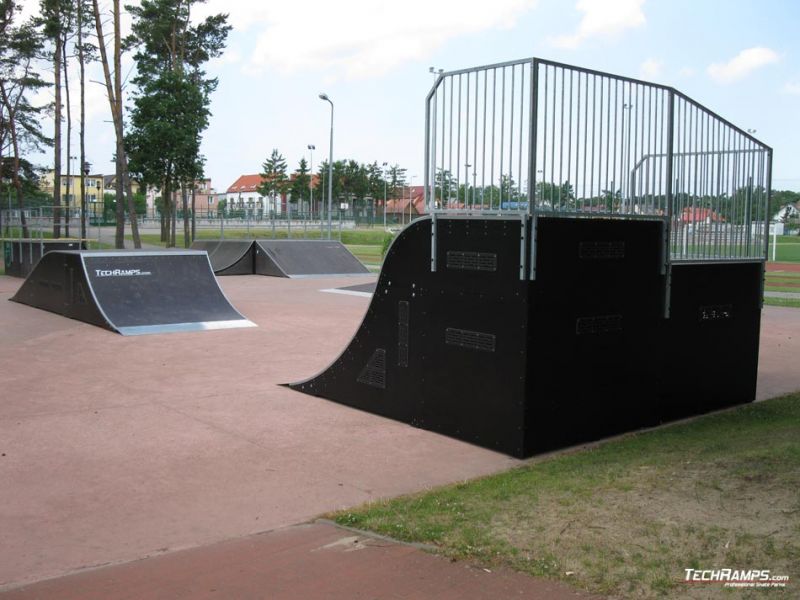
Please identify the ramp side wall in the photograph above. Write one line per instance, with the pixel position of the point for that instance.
(443, 351)
(59, 284)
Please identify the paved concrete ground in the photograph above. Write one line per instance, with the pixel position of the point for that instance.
(114, 449)
(308, 562)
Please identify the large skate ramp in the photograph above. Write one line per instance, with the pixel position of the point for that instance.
(228, 257)
(132, 293)
(474, 351)
(305, 258)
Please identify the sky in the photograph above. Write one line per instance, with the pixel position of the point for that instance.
(739, 58)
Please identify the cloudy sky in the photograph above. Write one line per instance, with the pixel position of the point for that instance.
(741, 58)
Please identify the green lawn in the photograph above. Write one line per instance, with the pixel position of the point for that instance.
(788, 249)
(786, 302)
(628, 516)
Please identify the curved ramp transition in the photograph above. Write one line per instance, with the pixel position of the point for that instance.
(132, 293)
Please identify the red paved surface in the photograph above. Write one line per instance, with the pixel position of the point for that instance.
(117, 448)
(307, 562)
(777, 266)
(114, 449)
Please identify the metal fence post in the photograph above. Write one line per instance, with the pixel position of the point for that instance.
(667, 266)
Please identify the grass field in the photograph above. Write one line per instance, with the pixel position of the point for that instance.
(787, 250)
(627, 517)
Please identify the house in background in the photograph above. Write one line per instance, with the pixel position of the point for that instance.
(71, 193)
(205, 198)
(243, 194)
(408, 207)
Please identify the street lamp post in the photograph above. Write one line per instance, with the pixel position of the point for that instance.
(312, 147)
(384, 196)
(86, 167)
(324, 97)
(410, 198)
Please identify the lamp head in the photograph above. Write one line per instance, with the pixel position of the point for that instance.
(324, 96)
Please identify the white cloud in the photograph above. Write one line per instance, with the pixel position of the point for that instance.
(742, 64)
(792, 88)
(359, 38)
(603, 18)
(651, 68)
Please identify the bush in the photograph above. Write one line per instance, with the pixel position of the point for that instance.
(388, 238)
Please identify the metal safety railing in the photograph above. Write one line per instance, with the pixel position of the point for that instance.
(537, 138)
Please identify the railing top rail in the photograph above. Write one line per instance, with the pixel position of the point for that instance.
(553, 63)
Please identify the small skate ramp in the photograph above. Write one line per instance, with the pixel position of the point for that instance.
(228, 257)
(305, 258)
(132, 293)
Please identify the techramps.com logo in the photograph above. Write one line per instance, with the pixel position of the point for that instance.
(736, 578)
(121, 273)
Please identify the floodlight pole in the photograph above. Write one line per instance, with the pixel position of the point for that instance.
(311, 148)
(384, 196)
(324, 96)
(86, 167)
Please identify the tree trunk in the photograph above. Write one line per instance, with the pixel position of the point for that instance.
(166, 211)
(15, 174)
(83, 119)
(119, 238)
(114, 91)
(57, 140)
(122, 157)
(173, 221)
(186, 232)
(194, 221)
(70, 182)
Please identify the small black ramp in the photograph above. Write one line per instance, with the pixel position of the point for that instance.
(305, 258)
(132, 293)
(232, 257)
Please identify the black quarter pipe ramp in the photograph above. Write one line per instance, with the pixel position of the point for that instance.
(305, 258)
(132, 293)
(228, 257)
(581, 352)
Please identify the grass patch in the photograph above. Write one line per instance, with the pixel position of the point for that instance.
(626, 517)
(786, 302)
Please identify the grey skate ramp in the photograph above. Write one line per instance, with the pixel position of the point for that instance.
(133, 293)
(228, 257)
(305, 258)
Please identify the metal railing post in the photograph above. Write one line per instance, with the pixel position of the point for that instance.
(667, 265)
(532, 150)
